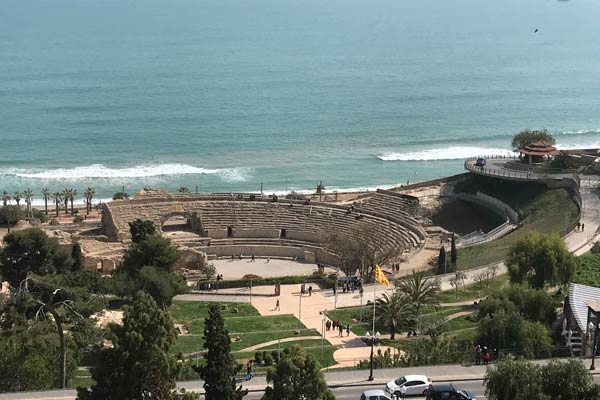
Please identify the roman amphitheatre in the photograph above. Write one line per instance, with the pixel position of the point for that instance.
(486, 208)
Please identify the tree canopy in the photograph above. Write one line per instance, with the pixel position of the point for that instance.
(518, 379)
(393, 311)
(219, 372)
(152, 251)
(10, 215)
(296, 376)
(141, 229)
(420, 290)
(539, 260)
(139, 366)
(31, 251)
(527, 136)
(360, 249)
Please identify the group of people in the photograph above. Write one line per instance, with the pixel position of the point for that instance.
(580, 227)
(337, 325)
(482, 354)
(303, 290)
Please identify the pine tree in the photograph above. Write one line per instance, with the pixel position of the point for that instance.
(219, 372)
(453, 254)
(441, 264)
(139, 365)
(297, 376)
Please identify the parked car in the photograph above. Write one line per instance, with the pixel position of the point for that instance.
(409, 385)
(375, 395)
(448, 392)
(480, 162)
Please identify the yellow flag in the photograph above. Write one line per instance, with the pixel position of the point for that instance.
(380, 276)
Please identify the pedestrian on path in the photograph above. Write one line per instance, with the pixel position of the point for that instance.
(582, 227)
(252, 257)
(302, 289)
(277, 305)
(348, 330)
(486, 356)
(310, 290)
(334, 288)
(334, 324)
(249, 374)
(268, 259)
(578, 226)
(478, 355)
(341, 329)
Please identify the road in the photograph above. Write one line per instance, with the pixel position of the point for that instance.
(341, 393)
(353, 393)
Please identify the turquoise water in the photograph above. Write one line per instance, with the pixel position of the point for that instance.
(225, 95)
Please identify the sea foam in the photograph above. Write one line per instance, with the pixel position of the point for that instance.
(96, 171)
(449, 153)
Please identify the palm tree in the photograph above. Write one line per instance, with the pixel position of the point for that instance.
(65, 198)
(420, 290)
(89, 195)
(57, 199)
(72, 195)
(393, 311)
(17, 196)
(46, 194)
(5, 198)
(28, 194)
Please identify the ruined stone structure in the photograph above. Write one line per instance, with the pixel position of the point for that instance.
(225, 225)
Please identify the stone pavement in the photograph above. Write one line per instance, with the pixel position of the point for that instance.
(581, 241)
(310, 311)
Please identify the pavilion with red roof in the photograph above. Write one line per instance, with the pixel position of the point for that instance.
(537, 152)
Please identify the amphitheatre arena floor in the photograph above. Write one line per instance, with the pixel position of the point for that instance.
(236, 269)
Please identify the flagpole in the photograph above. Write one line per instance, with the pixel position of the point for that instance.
(373, 332)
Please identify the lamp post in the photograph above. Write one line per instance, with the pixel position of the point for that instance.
(324, 312)
(372, 337)
(594, 346)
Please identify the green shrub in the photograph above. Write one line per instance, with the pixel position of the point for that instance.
(258, 357)
(268, 359)
(39, 215)
(78, 219)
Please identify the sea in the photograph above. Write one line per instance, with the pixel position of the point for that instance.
(232, 95)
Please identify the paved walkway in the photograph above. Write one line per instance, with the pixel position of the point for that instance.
(274, 342)
(580, 242)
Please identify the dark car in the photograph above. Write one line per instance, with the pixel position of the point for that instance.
(480, 162)
(448, 392)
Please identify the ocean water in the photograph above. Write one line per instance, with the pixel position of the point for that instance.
(225, 95)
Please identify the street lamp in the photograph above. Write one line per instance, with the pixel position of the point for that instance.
(324, 312)
(594, 346)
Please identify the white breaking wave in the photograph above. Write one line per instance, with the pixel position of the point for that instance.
(141, 171)
(448, 153)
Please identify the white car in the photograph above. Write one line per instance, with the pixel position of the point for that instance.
(375, 395)
(409, 385)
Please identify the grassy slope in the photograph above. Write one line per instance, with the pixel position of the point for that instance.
(545, 211)
(588, 272)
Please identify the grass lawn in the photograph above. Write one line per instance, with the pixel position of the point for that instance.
(246, 326)
(324, 356)
(474, 291)
(460, 323)
(540, 210)
(349, 315)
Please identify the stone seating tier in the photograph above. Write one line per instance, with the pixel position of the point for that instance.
(301, 221)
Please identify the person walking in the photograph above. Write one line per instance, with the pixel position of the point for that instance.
(582, 227)
(252, 258)
(341, 329)
(249, 374)
(348, 330)
(277, 305)
(310, 291)
(334, 288)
